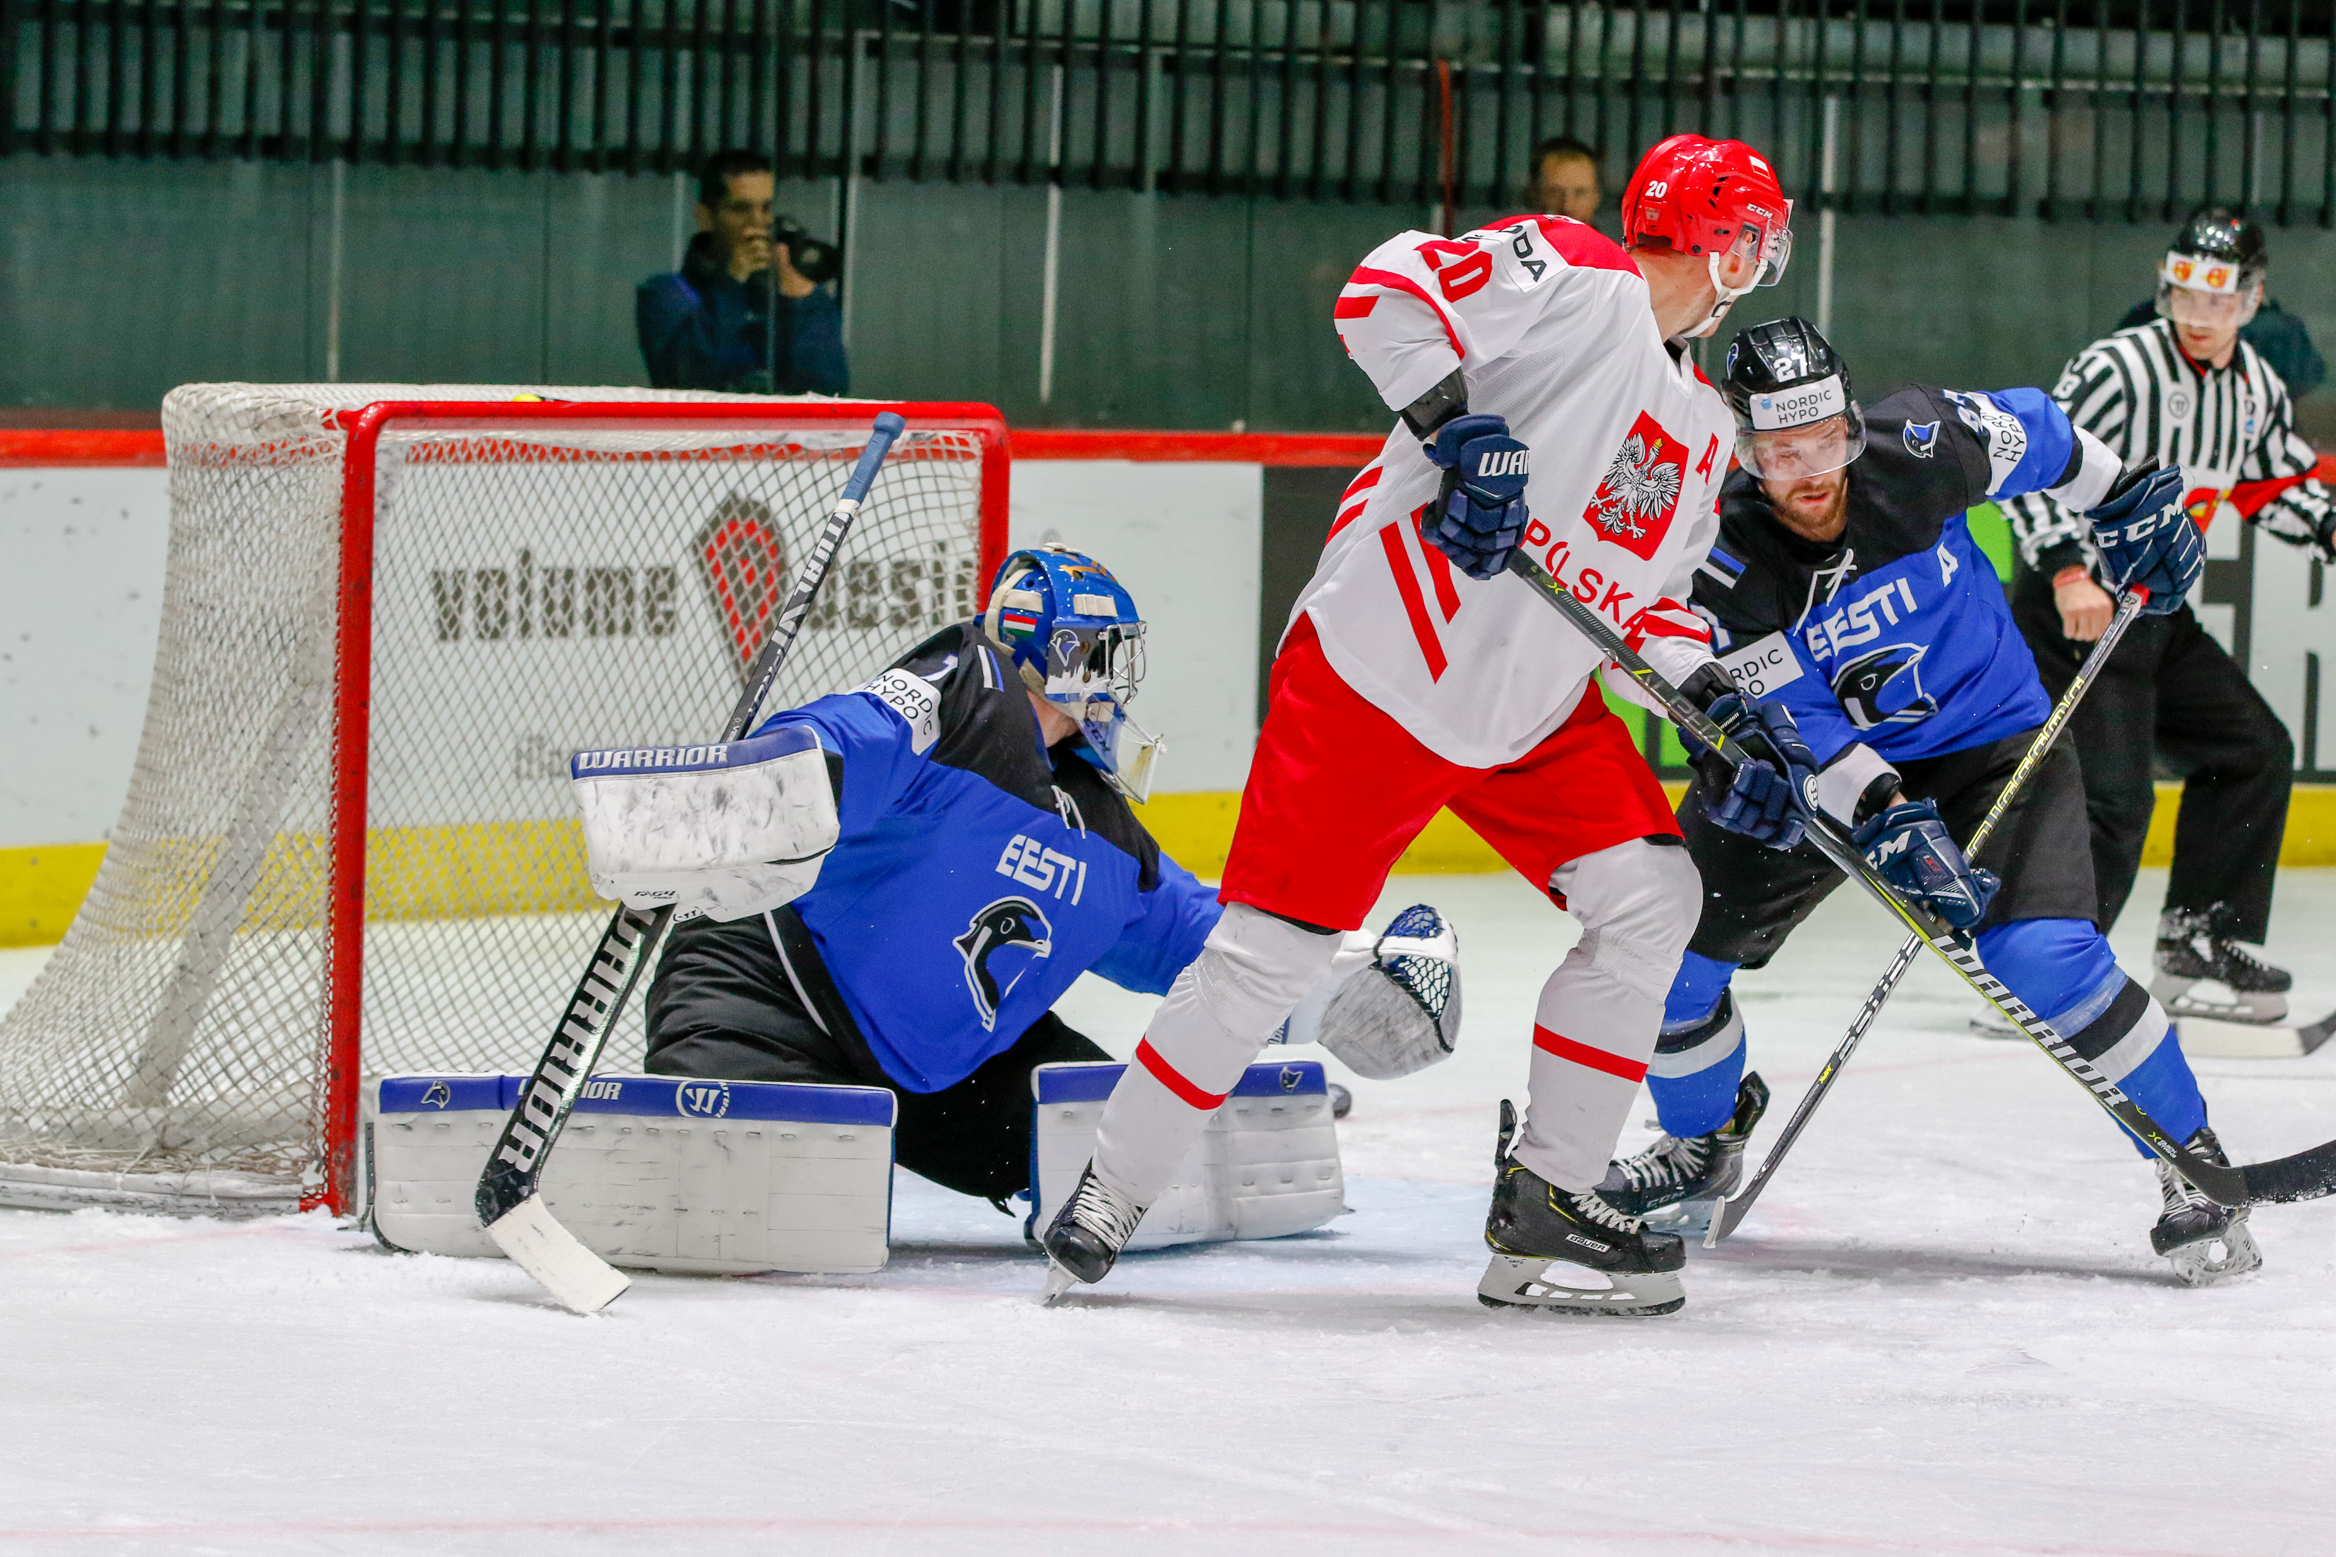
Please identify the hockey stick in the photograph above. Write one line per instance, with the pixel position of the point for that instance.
(509, 1206)
(1731, 1209)
(2305, 1176)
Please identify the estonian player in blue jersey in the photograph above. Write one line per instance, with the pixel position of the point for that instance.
(979, 854)
(1845, 583)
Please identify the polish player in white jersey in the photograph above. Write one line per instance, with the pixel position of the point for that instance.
(1548, 401)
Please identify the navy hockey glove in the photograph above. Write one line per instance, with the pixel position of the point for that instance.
(1915, 853)
(1769, 797)
(1478, 516)
(2147, 538)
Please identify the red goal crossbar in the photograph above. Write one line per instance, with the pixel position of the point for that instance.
(352, 698)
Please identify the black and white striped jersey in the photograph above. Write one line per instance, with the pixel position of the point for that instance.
(2231, 429)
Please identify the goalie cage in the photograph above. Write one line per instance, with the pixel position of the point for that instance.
(348, 846)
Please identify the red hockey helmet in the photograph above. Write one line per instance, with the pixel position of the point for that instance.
(1714, 198)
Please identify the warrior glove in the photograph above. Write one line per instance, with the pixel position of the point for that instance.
(1478, 516)
(2148, 539)
(1912, 849)
(1769, 797)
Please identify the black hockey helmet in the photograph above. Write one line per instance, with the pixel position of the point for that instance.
(1790, 394)
(2213, 271)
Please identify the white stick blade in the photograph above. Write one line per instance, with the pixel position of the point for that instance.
(535, 1241)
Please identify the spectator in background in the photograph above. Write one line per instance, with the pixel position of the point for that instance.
(1564, 180)
(2278, 337)
(711, 325)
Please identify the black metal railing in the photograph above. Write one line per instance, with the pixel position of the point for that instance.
(2119, 110)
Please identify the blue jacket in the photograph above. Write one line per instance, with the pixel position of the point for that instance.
(978, 873)
(703, 328)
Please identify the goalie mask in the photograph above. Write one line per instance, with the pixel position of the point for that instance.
(1076, 640)
(1794, 414)
(2212, 276)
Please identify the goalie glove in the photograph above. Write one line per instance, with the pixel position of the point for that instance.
(729, 829)
(1390, 1004)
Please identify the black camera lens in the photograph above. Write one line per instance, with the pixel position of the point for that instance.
(816, 260)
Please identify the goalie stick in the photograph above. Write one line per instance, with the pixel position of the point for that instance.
(509, 1206)
(2307, 1175)
(1731, 1209)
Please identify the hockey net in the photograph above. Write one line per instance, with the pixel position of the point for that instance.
(348, 845)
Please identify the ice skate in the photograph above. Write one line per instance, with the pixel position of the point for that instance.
(1674, 1184)
(2205, 1243)
(2203, 972)
(1571, 1252)
(1083, 1241)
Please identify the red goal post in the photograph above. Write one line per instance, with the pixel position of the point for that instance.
(389, 614)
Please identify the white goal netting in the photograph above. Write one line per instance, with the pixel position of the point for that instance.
(538, 586)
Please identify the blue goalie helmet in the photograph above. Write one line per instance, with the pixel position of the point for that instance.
(1074, 635)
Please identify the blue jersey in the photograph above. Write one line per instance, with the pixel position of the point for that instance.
(978, 873)
(1893, 642)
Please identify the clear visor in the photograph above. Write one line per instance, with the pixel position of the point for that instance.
(2209, 310)
(1767, 250)
(1791, 453)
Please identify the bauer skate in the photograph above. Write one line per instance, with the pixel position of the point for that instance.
(2197, 948)
(1083, 1241)
(2194, 1228)
(1675, 1184)
(1571, 1252)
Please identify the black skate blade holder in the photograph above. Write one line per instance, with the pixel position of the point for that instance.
(2307, 1175)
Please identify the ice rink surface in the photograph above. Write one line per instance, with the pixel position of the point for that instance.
(1942, 1331)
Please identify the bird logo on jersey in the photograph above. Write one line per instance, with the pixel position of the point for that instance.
(1634, 504)
(1861, 686)
(1010, 933)
(1922, 439)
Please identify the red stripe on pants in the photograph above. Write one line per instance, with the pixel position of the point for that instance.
(1169, 1077)
(1583, 1054)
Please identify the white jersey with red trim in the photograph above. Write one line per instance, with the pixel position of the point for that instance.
(1550, 325)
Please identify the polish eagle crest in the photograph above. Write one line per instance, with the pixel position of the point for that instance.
(1634, 503)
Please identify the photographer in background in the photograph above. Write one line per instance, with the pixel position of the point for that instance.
(749, 310)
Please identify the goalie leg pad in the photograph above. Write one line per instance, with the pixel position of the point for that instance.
(1266, 1164)
(728, 829)
(652, 1173)
(1393, 1009)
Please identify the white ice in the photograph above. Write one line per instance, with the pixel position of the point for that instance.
(1942, 1331)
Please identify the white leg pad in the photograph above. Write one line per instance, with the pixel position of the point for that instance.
(652, 1172)
(1265, 1166)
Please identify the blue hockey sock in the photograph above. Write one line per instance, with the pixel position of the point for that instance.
(1699, 1059)
(2064, 970)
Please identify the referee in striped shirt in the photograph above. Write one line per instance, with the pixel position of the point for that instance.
(2184, 390)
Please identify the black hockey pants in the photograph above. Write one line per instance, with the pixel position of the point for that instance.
(1755, 896)
(723, 1004)
(2171, 691)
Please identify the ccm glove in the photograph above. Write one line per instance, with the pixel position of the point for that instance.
(2147, 539)
(1478, 516)
(1769, 796)
(1915, 853)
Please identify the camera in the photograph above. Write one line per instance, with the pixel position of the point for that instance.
(817, 260)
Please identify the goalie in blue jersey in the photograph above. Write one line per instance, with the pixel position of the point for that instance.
(1845, 583)
(893, 886)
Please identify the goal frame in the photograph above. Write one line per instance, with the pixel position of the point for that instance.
(345, 892)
